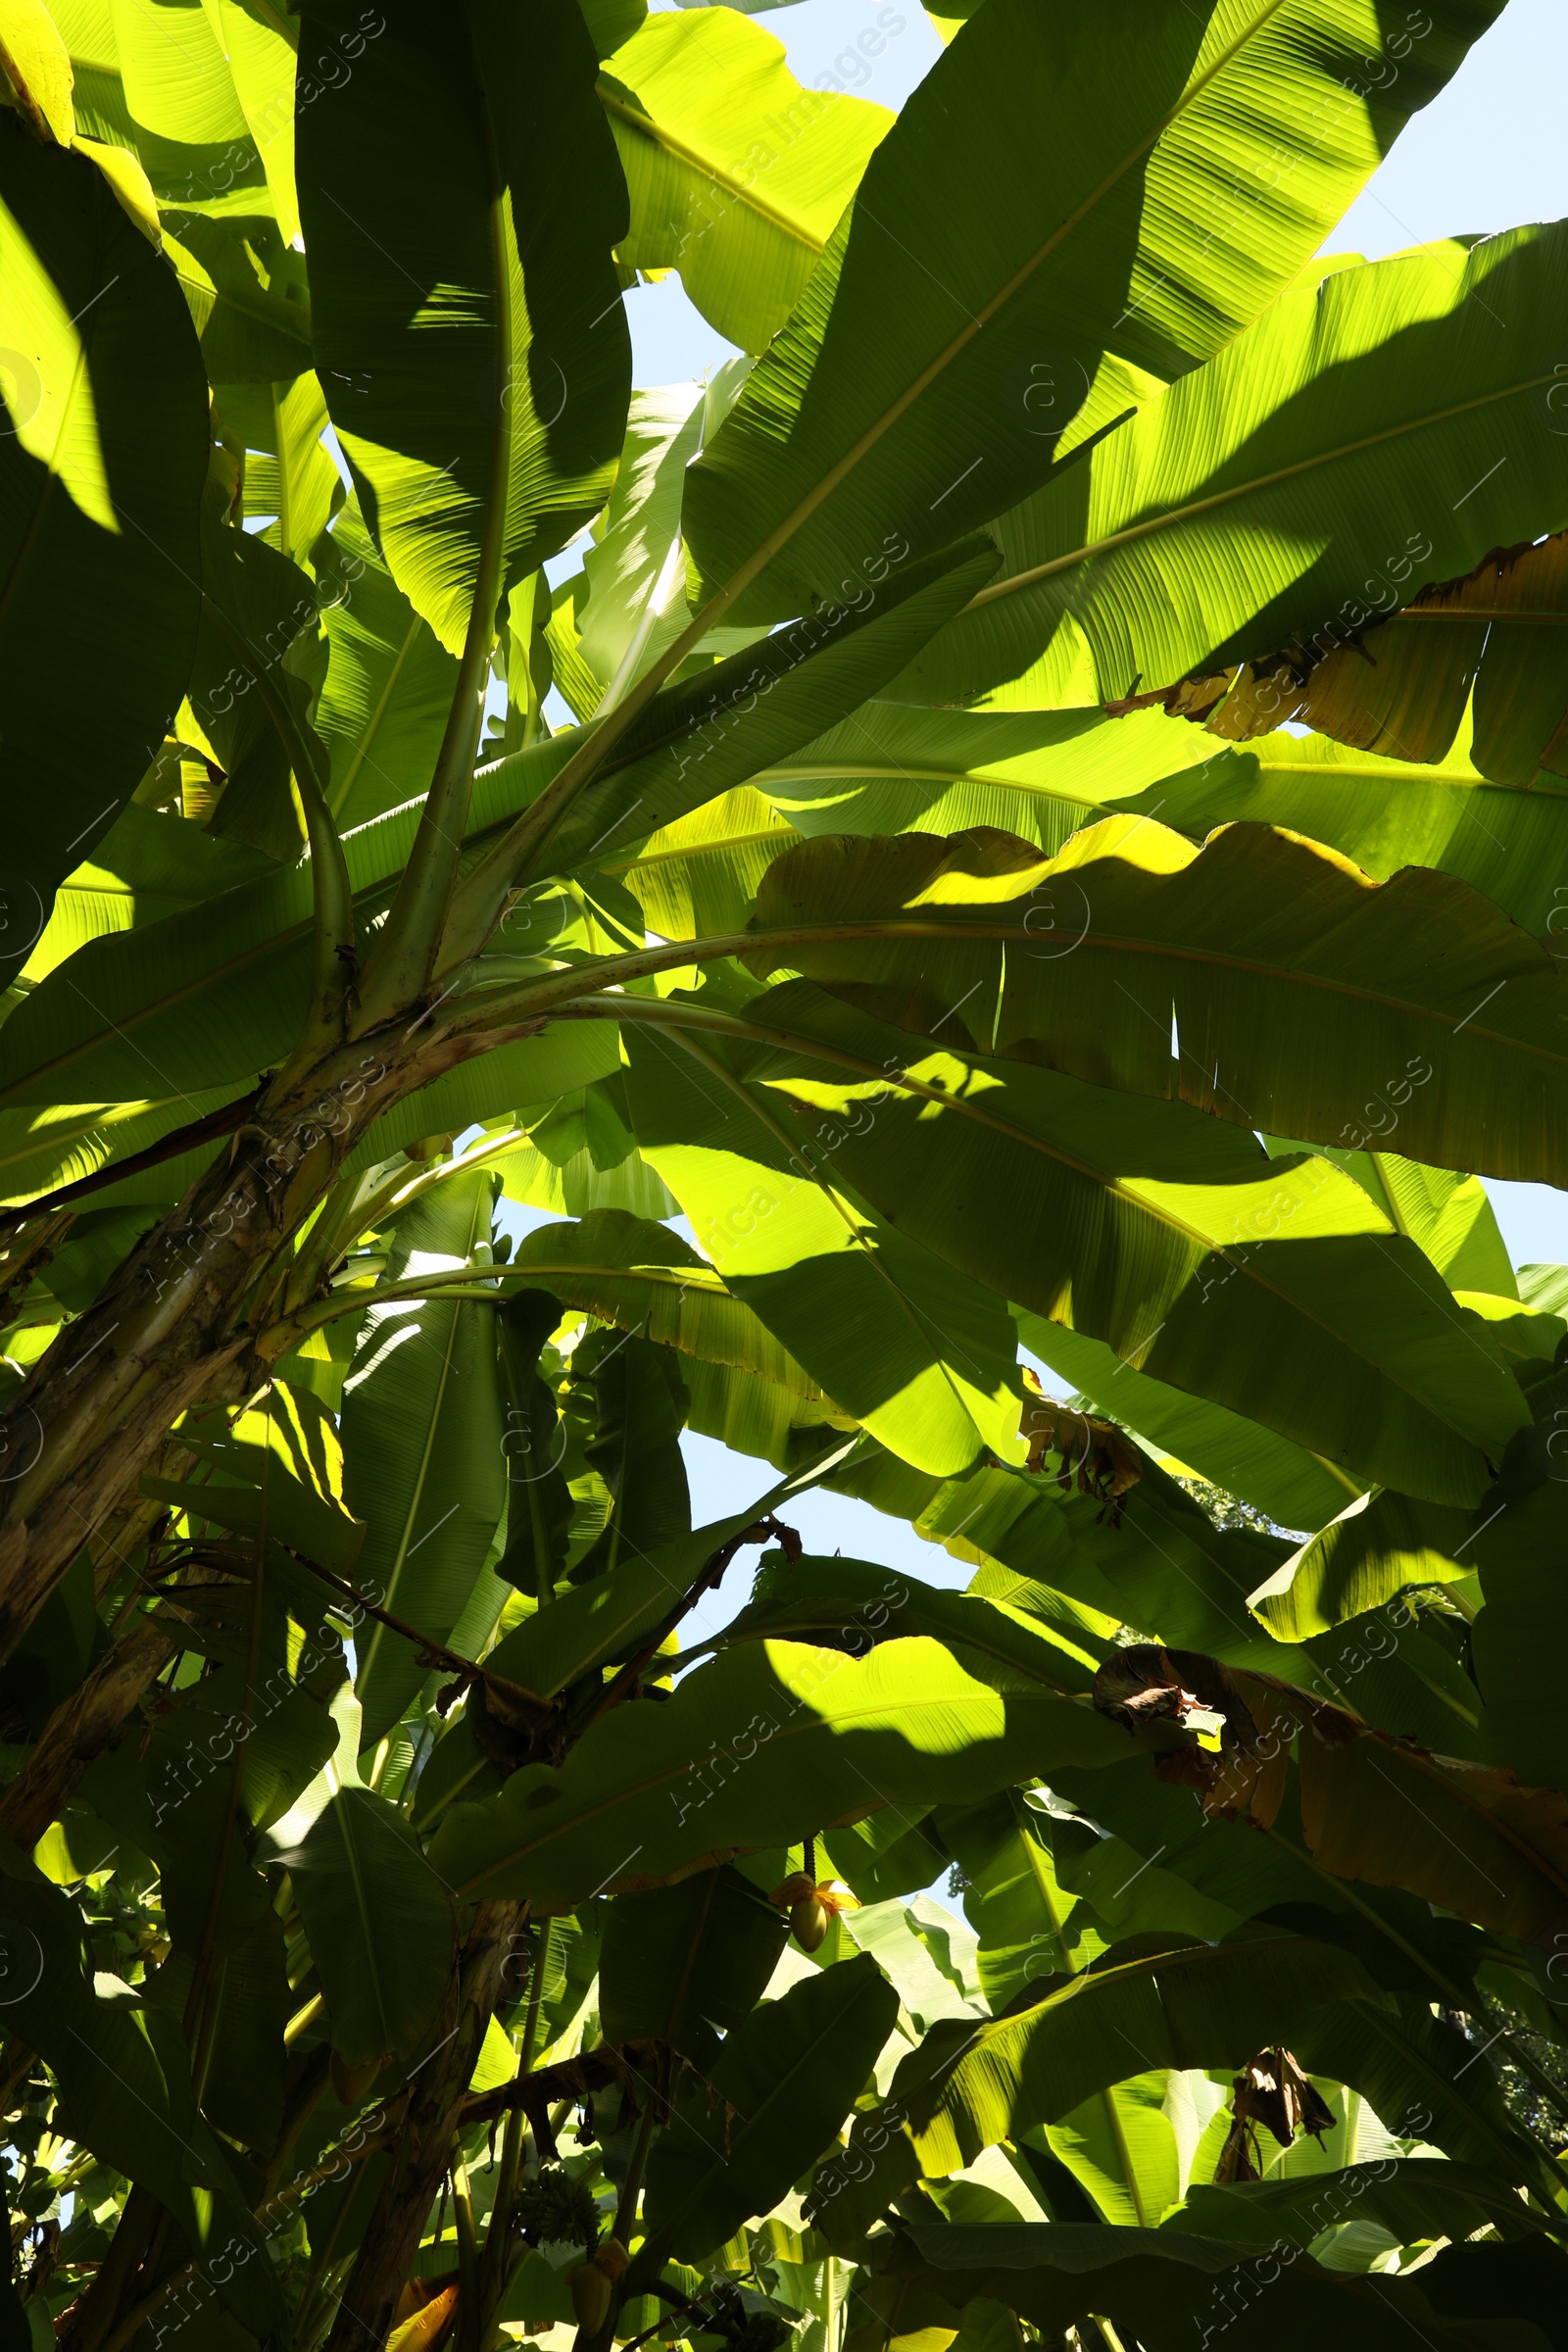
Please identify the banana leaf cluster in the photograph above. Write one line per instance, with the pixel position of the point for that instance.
(944, 925)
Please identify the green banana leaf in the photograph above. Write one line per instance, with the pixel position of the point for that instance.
(494, 401)
(750, 1751)
(1148, 2002)
(1386, 428)
(1414, 2197)
(1041, 774)
(792, 2071)
(1227, 226)
(736, 174)
(380, 1924)
(1383, 814)
(290, 482)
(915, 1352)
(1378, 1545)
(813, 1595)
(1447, 1215)
(422, 1464)
(123, 2080)
(146, 866)
(1326, 1019)
(678, 1961)
(389, 680)
(1119, 2146)
(244, 288)
(100, 475)
(1294, 1488)
(899, 406)
(1158, 2288)
(630, 610)
(1210, 1284)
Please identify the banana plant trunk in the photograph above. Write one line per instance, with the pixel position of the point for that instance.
(180, 1323)
(424, 2147)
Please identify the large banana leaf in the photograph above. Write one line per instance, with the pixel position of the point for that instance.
(1508, 843)
(751, 1752)
(1386, 429)
(472, 349)
(1179, 2004)
(1414, 2197)
(145, 867)
(915, 1352)
(792, 2071)
(101, 469)
(1023, 1915)
(1148, 1228)
(290, 480)
(678, 1961)
(198, 1000)
(421, 1446)
(632, 609)
(1041, 774)
(1294, 1488)
(1325, 1012)
(1165, 2290)
(700, 876)
(814, 1596)
(1447, 1215)
(261, 48)
(380, 1925)
(389, 681)
(737, 176)
(900, 405)
(699, 739)
(1379, 1545)
(1227, 225)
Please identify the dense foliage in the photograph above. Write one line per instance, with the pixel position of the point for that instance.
(992, 924)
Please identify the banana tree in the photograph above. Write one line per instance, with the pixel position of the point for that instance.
(375, 1726)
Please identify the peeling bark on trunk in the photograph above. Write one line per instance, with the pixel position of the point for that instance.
(80, 1730)
(178, 1325)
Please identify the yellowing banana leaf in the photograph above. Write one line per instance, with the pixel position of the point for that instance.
(737, 176)
(1374, 1807)
(893, 410)
(1327, 1012)
(1263, 501)
(482, 421)
(1402, 689)
(770, 1735)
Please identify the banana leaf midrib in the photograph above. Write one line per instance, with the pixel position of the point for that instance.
(1169, 517)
